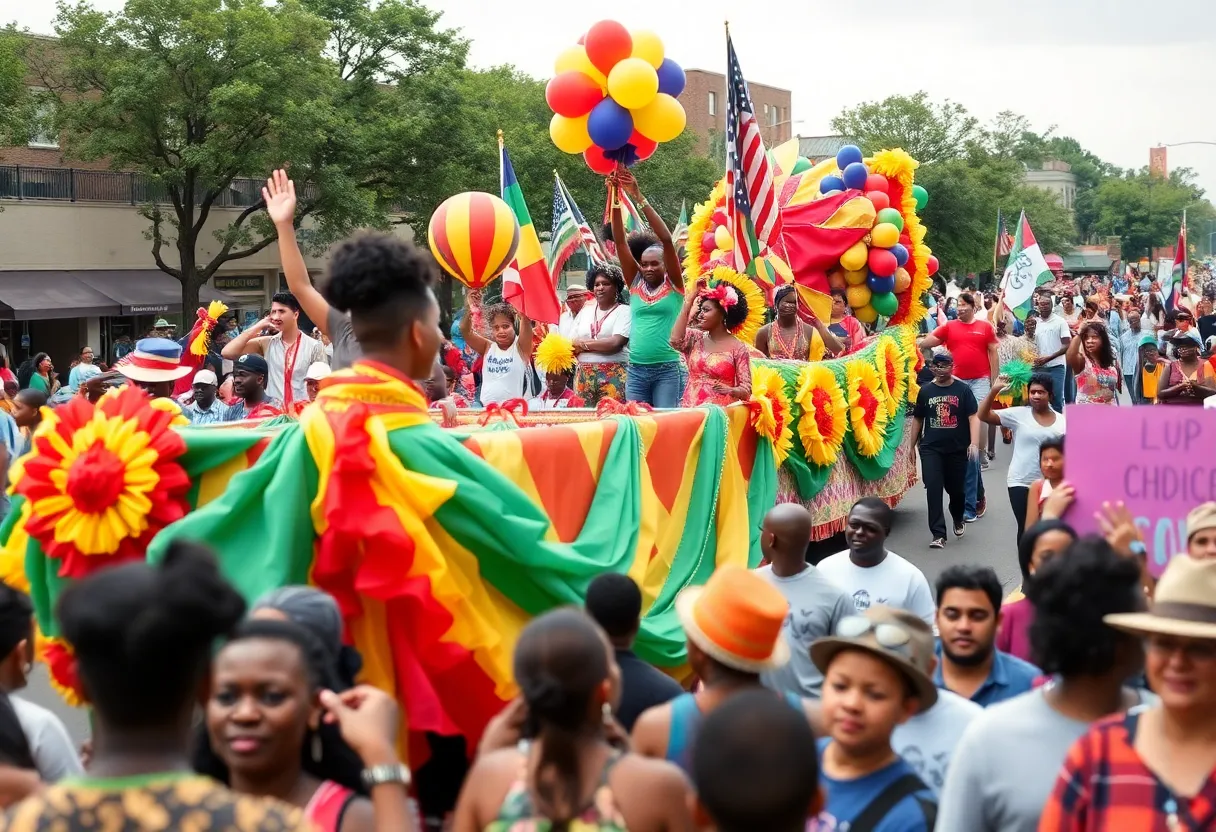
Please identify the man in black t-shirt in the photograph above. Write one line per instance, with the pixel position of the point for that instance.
(947, 431)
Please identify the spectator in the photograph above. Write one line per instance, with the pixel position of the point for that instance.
(870, 573)
(1051, 338)
(287, 351)
(204, 408)
(1040, 541)
(755, 767)
(83, 370)
(1201, 531)
(155, 366)
(249, 385)
(947, 434)
(968, 613)
(1051, 466)
(816, 604)
(1089, 663)
(27, 413)
(872, 683)
(615, 602)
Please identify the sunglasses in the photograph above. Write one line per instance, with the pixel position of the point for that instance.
(890, 636)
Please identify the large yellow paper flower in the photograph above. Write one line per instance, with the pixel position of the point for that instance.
(893, 373)
(770, 410)
(750, 293)
(824, 414)
(867, 410)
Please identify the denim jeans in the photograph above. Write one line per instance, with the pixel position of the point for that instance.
(1057, 374)
(975, 482)
(658, 385)
(1129, 387)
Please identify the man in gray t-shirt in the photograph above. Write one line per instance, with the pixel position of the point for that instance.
(816, 604)
(342, 336)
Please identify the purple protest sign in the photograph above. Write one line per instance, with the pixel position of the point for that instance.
(1160, 461)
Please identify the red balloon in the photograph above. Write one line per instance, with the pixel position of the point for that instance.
(931, 265)
(883, 262)
(880, 199)
(645, 147)
(597, 161)
(877, 182)
(708, 243)
(608, 42)
(719, 217)
(572, 94)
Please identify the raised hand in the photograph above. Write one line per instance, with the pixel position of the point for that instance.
(280, 198)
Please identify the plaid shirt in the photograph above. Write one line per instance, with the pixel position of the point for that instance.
(1104, 785)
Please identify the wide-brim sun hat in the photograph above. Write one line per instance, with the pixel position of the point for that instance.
(1183, 605)
(154, 360)
(906, 649)
(736, 618)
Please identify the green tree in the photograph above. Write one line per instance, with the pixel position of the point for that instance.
(930, 131)
(1146, 210)
(16, 104)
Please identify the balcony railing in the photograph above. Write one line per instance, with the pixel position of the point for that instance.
(24, 182)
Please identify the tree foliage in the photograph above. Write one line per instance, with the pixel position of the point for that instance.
(16, 104)
(930, 131)
(1146, 210)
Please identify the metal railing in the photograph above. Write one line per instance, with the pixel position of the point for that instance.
(24, 182)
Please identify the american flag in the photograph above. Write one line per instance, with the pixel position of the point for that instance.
(569, 230)
(752, 213)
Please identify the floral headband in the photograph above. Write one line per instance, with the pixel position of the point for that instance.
(723, 293)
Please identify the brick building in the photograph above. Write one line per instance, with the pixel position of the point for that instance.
(704, 100)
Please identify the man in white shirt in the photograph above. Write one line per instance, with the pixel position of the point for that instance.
(576, 296)
(871, 574)
(1051, 337)
(288, 351)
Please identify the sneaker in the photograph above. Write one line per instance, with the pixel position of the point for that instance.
(969, 518)
(984, 462)
(938, 543)
(981, 507)
(991, 455)
(959, 531)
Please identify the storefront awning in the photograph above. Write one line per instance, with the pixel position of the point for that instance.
(41, 295)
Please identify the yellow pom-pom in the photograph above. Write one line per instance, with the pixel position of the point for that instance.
(555, 354)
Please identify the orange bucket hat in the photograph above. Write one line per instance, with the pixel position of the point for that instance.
(736, 618)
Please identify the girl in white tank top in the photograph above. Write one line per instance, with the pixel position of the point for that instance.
(506, 371)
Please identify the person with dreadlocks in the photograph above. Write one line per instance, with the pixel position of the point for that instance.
(652, 271)
(719, 361)
(787, 337)
(555, 358)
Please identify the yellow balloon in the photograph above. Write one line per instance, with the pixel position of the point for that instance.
(633, 83)
(661, 120)
(569, 134)
(575, 59)
(855, 277)
(855, 257)
(858, 296)
(717, 254)
(836, 279)
(722, 238)
(866, 314)
(902, 280)
(648, 47)
(884, 235)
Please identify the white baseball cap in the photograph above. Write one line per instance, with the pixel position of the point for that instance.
(205, 377)
(317, 371)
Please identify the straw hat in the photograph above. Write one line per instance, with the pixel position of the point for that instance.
(736, 619)
(897, 637)
(153, 360)
(1184, 603)
(1201, 517)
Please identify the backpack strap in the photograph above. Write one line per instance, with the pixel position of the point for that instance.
(890, 797)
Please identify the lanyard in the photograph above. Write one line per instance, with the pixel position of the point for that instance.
(289, 367)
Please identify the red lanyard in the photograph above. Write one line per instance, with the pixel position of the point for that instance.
(289, 366)
(597, 323)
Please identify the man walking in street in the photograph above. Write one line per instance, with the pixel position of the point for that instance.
(973, 344)
(1051, 337)
(947, 431)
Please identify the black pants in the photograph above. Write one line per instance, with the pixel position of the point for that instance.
(946, 471)
(1019, 497)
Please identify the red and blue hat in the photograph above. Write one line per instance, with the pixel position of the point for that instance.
(155, 359)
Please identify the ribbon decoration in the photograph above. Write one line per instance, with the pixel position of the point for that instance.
(611, 407)
(509, 410)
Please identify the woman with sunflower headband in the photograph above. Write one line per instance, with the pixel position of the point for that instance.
(555, 358)
(719, 360)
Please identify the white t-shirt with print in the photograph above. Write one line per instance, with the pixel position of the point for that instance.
(1028, 435)
(615, 322)
(893, 583)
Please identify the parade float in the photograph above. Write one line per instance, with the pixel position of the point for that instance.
(440, 544)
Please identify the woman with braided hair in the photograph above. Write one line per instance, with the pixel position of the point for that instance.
(789, 338)
(719, 361)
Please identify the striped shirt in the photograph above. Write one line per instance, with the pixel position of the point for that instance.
(1104, 785)
(208, 416)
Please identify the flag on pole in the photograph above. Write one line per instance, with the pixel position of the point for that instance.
(680, 235)
(1027, 270)
(1173, 292)
(752, 214)
(570, 231)
(1004, 240)
(526, 284)
(631, 217)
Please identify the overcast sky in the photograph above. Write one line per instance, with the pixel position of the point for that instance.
(1118, 75)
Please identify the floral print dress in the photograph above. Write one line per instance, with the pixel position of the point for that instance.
(519, 814)
(731, 367)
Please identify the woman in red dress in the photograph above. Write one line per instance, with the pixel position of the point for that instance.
(719, 360)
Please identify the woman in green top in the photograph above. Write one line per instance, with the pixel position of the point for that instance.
(41, 375)
(652, 271)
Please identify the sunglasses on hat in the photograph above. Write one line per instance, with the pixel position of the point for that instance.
(890, 636)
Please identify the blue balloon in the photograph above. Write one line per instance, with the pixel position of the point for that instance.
(855, 176)
(830, 183)
(609, 125)
(848, 155)
(671, 78)
(901, 254)
(879, 284)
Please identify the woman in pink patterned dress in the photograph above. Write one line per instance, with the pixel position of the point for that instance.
(1093, 361)
(719, 364)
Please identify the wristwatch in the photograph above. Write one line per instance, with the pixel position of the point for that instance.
(1137, 548)
(380, 775)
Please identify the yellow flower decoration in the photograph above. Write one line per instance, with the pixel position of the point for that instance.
(770, 410)
(555, 354)
(867, 411)
(824, 414)
(893, 373)
(696, 259)
(756, 305)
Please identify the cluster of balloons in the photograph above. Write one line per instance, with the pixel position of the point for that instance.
(614, 97)
(874, 274)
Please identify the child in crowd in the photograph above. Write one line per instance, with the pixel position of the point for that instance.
(555, 358)
(507, 371)
(1152, 366)
(1051, 465)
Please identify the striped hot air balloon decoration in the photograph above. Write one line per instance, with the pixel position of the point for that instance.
(473, 235)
